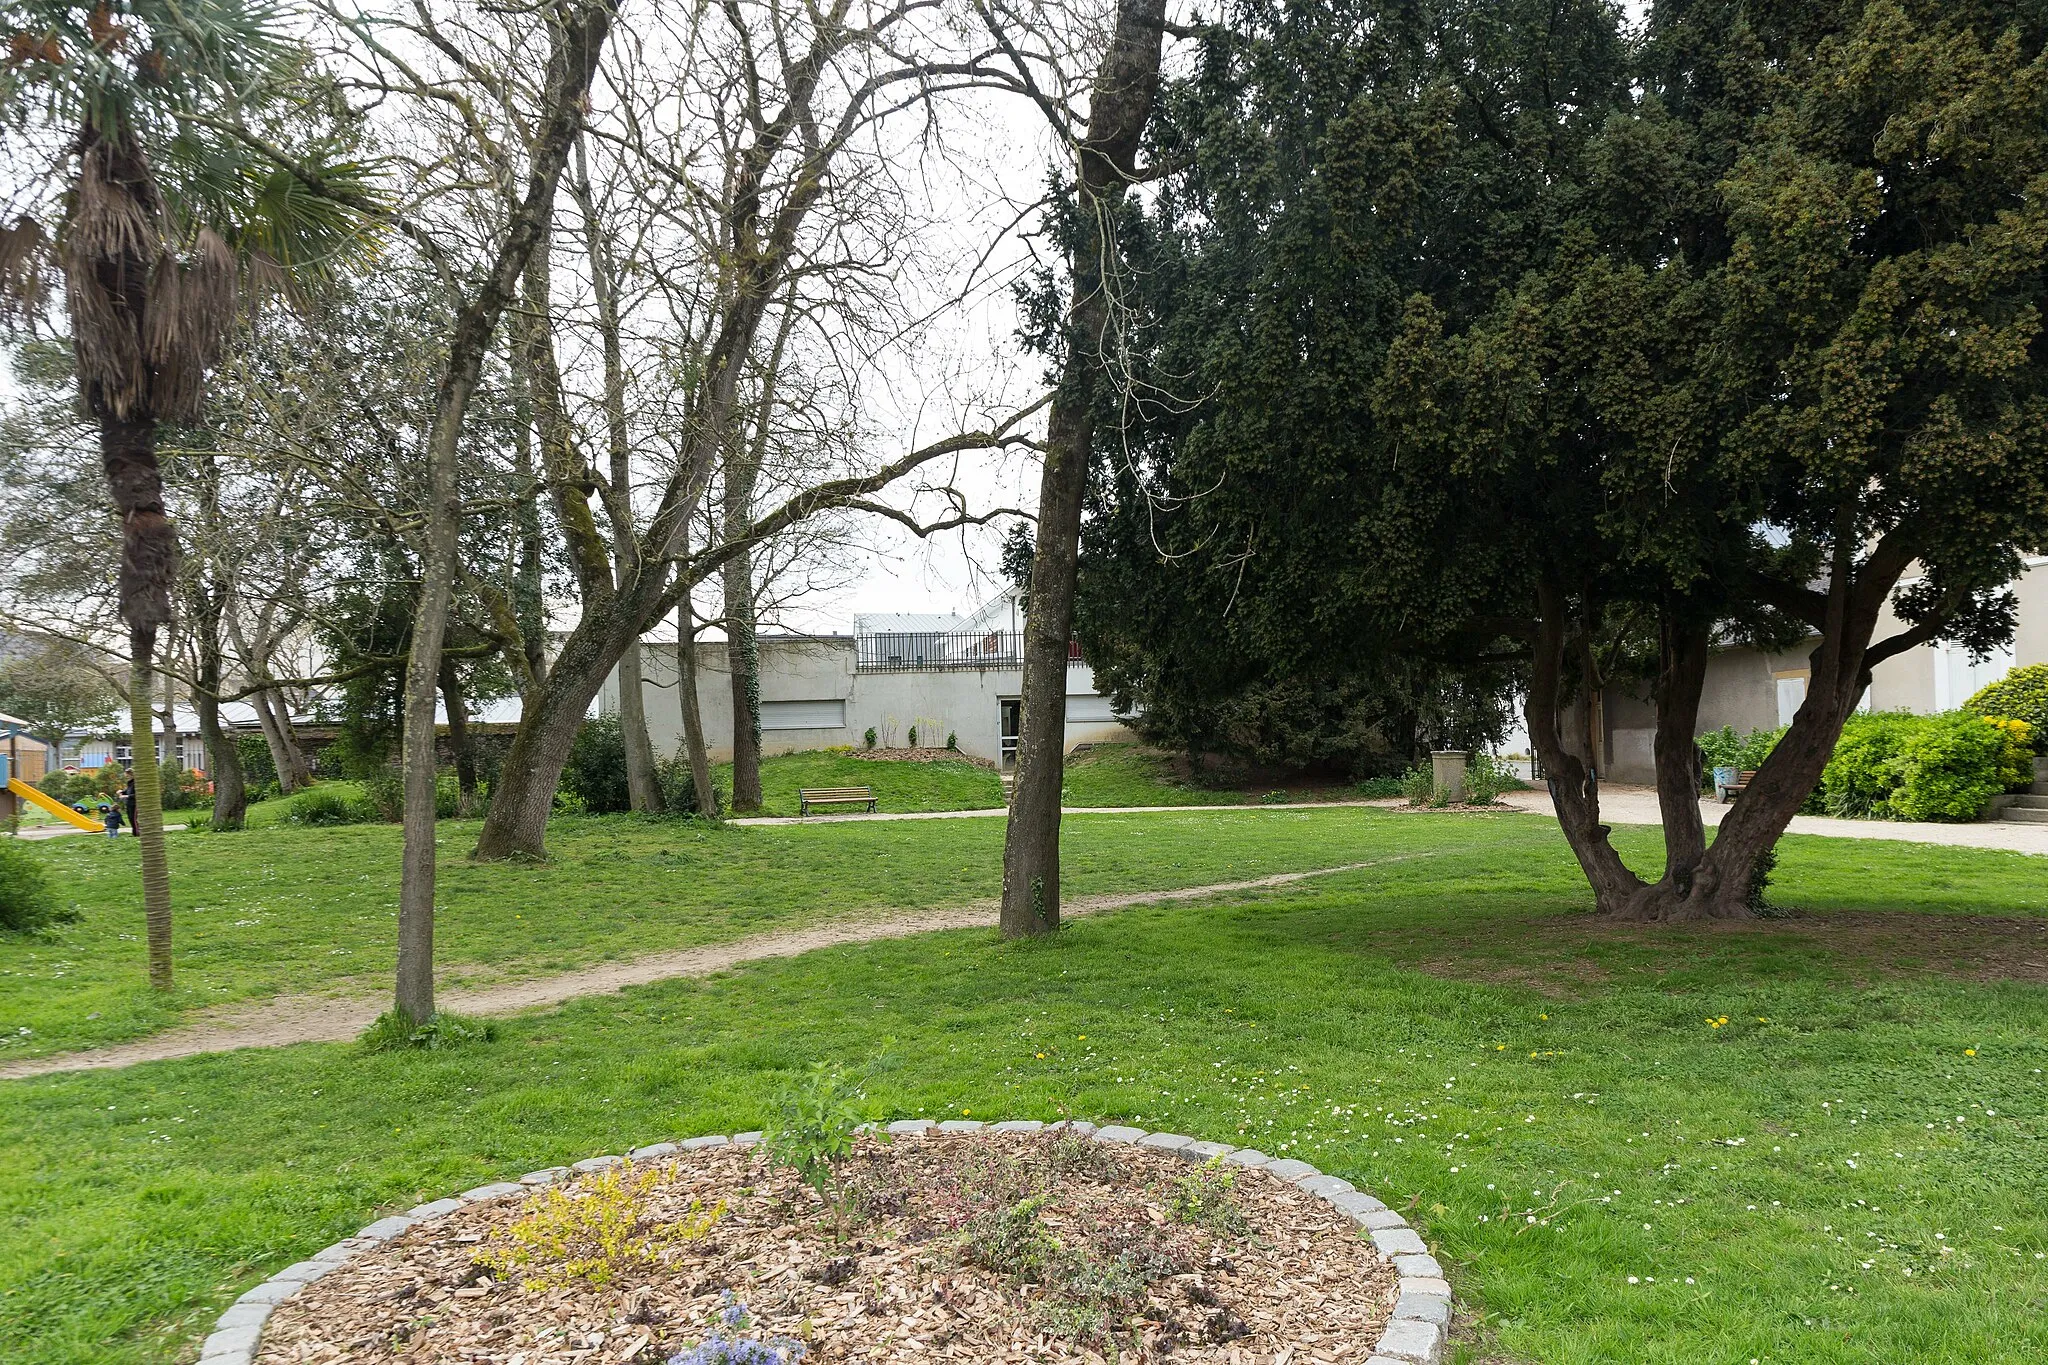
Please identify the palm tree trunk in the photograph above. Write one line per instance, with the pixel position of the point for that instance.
(149, 809)
(149, 557)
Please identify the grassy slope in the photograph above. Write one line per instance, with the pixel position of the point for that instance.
(1130, 775)
(284, 909)
(899, 786)
(1555, 1070)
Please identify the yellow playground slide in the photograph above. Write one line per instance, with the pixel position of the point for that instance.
(54, 806)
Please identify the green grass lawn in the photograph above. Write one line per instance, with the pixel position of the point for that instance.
(950, 784)
(1848, 1169)
(283, 909)
(1131, 775)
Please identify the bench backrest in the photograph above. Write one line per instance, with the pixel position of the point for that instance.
(836, 793)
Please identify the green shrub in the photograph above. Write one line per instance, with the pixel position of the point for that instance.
(679, 788)
(28, 905)
(870, 737)
(1418, 785)
(259, 770)
(1486, 777)
(393, 1032)
(1897, 766)
(596, 771)
(817, 1118)
(1954, 765)
(1723, 748)
(1867, 766)
(2021, 694)
(1379, 788)
(182, 788)
(323, 806)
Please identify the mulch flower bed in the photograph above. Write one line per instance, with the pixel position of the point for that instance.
(1018, 1247)
(922, 754)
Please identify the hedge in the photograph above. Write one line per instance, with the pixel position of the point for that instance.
(1893, 765)
(2021, 694)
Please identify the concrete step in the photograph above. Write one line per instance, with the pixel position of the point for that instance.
(2031, 802)
(2023, 815)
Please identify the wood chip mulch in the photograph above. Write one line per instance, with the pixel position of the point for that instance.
(1024, 1248)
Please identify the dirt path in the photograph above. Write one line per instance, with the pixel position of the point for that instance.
(319, 1019)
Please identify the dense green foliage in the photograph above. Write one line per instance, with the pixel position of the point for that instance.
(595, 775)
(1899, 766)
(1723, 748)
(1510, 346)
(28, 903)
(1794, 1163)
(2021, 694)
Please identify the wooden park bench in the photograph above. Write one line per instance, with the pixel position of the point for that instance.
(807, 797)
(1738, 786)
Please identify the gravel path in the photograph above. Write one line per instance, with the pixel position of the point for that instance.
(1638, 806)
(289, 1019)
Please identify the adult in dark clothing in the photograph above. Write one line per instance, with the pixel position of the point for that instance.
(128, 801)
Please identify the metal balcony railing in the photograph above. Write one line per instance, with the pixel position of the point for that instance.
(920, 651)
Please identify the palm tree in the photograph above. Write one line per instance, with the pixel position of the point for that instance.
(155, 221)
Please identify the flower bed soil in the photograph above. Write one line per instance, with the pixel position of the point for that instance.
(1018, 1247)
(921, 754)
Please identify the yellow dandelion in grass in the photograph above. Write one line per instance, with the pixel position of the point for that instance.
(966, 1111)
(1969, 1052)
(1080, 1037)
(1041, 1056)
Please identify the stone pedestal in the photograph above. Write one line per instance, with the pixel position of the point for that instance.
(1447, 768)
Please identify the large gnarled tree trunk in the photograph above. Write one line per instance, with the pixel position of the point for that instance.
(1120, 106)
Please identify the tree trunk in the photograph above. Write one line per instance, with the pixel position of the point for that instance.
(743, 657)
(288, 741)
(517, 823)
(149, 556)
(643, 784)
(149, 810)
(223, 759)
(1120, 105)
(742, 646)
(693, 715)
(443, 525)
(576, 47)
(459, 739)
(1574, 786)
(274, 740)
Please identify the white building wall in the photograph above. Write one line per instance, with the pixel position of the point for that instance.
(965, 702)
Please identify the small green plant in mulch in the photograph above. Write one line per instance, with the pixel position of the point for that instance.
(1204, 1198)
(1012, 1241)
(817, 1120)
(394, 1032)
(1418, 787)
(594, 1231)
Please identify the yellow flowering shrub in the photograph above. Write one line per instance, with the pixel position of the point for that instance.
(593, 1231)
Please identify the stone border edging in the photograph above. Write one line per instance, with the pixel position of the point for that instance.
(1414, 1335)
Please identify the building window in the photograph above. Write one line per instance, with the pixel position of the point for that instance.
(1791, 693)
(825, 714)
(1958, 677)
